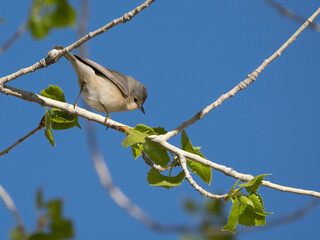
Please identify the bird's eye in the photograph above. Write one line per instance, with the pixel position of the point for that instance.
(135, 100)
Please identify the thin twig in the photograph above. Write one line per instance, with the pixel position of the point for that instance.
(227, 170)
(12, 208)
(160, 139)
(54, 55)
(40, 126)
(23, 27)
(203, 192)
(148, 161)
(292, 15)
(119, 197)
(242, 85)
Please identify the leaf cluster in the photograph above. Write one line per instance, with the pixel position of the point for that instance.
(48, 14)
(57, 119)
(247, 209)
(136, 138)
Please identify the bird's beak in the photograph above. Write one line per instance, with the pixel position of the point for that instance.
(142, 110)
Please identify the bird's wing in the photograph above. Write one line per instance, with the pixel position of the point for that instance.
(119, 79)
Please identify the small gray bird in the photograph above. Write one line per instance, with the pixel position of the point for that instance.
(104, 89)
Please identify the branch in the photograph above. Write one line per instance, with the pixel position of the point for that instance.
(194, 184)
(242, 85)
(12, 208)
(40, 126)
(291, 15)
(23, 27)
(54, 55)
(119, 197)
(159, 139)
(32, 97)
(148, 161)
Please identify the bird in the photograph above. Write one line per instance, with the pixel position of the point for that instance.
(104, 89)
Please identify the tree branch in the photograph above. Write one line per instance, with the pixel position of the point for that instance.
(242, 85)
(119, 197)
(54, 55)
(40, 126)
(159, 139)
(203, 192)
(23, 27)
(32, 97)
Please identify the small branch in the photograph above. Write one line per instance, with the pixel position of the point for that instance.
(54, 55)
(242, 85)
(203, 192)
(32, 97)
(291, 15)
(40, 126)
(159, 139)
(119, 197)
(23, 27)
(148, 161)
(12, 208)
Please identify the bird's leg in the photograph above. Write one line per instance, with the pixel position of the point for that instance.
(108, 115)
(76, 102)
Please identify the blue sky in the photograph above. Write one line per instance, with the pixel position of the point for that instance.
(187, 53)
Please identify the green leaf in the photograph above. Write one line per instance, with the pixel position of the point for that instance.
(64, 15)
(249, 217)
(61, 229)
(252, 211)
(232, 190)
(159, 130)
(48, 14)
(144, 129)
(48, 131)
(137, 135)
(134, 137)
(136, 149)
(156, 153)
(41, 236)
(1, 20)
(201, 170)
(55, 207)
(254, 184)
(233, 217)
(53, 92)
(62, 120)
(187, 145)
(257, 201)
(156, 179)
(245, 200)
